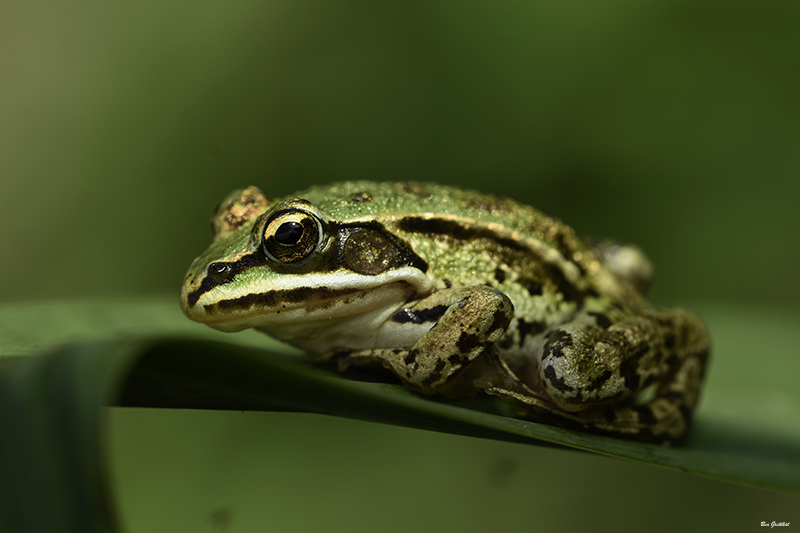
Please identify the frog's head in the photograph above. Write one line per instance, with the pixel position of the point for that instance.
(273, 264)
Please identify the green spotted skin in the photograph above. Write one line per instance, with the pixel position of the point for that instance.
(458, 293)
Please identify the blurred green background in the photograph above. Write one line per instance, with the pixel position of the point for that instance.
(675, 125)
(671, 124)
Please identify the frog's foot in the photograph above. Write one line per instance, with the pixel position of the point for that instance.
(510, 388)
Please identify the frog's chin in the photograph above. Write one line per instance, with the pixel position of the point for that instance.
(362, 331)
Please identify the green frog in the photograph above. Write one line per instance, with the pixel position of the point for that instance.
(457, 293)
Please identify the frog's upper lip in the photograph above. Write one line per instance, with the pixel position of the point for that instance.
(276, 301)
(265, 297)
(287, 307)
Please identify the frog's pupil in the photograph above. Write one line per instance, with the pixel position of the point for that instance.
(289, 233)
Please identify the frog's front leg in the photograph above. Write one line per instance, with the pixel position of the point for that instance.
(469, 320)
(592, 365)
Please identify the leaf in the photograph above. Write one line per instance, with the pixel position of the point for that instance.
(143, 352)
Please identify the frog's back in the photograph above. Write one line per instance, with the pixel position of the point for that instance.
(470, 237)
(355, 200)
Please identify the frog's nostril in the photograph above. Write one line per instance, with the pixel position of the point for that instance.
(218, 268)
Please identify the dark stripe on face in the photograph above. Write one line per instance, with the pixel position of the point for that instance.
(221, 273)
(365, 248)
(274, 299)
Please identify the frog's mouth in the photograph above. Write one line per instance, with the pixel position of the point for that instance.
(302, 305)
(271, 306)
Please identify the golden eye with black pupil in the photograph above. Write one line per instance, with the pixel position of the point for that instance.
(291, 236)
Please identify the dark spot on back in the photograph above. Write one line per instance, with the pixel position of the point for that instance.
(458, 231)
(534, 288)
(570, 292)
(601, 320)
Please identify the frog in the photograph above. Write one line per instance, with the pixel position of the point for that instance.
(458, 293)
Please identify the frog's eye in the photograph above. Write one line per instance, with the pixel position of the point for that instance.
(291, 236)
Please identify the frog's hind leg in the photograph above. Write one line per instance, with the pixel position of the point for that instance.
(596, 378)
(664, 418)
